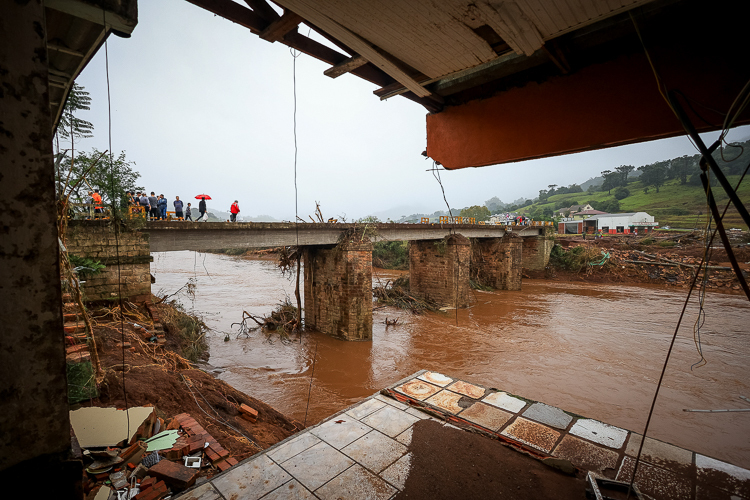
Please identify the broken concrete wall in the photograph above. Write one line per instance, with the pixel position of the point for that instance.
(97, 240)
(33, 389)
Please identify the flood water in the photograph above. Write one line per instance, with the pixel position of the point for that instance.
(596, 350)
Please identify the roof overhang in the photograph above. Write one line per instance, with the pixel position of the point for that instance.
(76, 29)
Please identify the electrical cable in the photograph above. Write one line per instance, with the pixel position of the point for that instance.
(309, 389)
(456, 274)
(115, 219)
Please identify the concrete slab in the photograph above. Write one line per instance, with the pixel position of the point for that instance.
(722, 475)
(375, 451)
(293, 447)
(471, 390)
(598, 432)
(549, 415)
(417, 389)
(659, 453)
(390, 421)
(205, 491)
(446, 400)
(340, 431)
(365, 408)
(356, 483)
(317, 465)
(585, 455)
(392, 402)
(487, 416)
(405, 437)
(397, 473)
(505, 401)
(251, 480)
(654, 481)
(292, 490)
(435, 378)
(533, 434)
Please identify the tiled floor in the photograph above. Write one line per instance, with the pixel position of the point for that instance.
(362, 452)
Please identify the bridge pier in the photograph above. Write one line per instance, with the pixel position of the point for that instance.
(338, 289)
(536, 251)
(496, 262)
(439, 270)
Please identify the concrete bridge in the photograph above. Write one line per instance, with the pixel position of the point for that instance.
(443, 259)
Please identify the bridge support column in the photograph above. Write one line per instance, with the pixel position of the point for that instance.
(338, 289)
(439, 270)
(536, 251)
(96, 240)
(496, 262)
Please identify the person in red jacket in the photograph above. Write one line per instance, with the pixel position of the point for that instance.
(234, 209)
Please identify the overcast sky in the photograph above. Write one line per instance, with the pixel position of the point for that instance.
(200, 104)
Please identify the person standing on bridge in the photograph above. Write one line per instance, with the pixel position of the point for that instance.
(177, 208)
(188, 213)
(202, 208)
(234, 210)
(153, 207)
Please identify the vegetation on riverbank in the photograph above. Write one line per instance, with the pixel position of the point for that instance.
(391, 255)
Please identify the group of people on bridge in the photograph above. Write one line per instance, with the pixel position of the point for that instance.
(154, 207)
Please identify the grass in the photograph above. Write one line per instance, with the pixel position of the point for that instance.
(676, 205)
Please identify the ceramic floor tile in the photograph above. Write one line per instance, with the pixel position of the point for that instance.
(435, 378)
(392, 402)
(533, 434)
(505, 401)
(205, 491)
(417, 389)
(375, 450)
(587, 456)
(293, 447)
(655, 481)
(487, 416)
(390, 421)
(446, 400)
(471, 390)
(292, 490)
(722, 475)
(356, 483)
(548, 415)
(251, 480)
(341, 430)
(397, 473)
(659, 453)
(599, 432)
(421, 415)
(405, 437)
(365, 408)
(317, 465)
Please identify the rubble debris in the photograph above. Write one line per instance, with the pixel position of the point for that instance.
(248, 413)
(101, 427)
(162, 441)
(174, 474)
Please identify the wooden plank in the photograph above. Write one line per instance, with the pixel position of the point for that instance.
(59, 48)
(388, 63)
(280, 27)
(345, 66)
(233, 12)
(312, 48)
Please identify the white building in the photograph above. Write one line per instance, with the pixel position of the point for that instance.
(620, 223)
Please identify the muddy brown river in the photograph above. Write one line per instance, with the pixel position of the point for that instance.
(596, 350)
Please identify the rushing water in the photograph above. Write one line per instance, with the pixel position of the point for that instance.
(596, 350)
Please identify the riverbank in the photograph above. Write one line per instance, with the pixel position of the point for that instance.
(140, 371)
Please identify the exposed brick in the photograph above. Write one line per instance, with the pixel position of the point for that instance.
(439, 270)
(174, 473)
(222, 465)
(248, 413)
(496, 262)
(231, 461)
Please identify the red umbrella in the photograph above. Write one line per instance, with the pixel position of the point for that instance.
(198, 197)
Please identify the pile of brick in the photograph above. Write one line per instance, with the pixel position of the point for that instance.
(135, 467)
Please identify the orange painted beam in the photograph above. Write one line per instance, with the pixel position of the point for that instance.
(607, 104)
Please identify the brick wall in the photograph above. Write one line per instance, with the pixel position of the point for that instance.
(439, 270)
(536, 251)
(338, 289)
(96, 240)
(496, 262)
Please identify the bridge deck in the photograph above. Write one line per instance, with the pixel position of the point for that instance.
(175, 236)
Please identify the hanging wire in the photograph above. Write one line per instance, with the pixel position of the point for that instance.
(115, 219)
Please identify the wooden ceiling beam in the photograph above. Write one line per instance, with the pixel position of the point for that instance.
(264, 10)
(280, 27)
(234, 12)
(345, 66)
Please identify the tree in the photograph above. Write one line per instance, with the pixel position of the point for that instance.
(477, 212)
(93, 171)
(543, 195)
(552, 189)
(622, 193)
(679, 168)
(611, 180)
(653, 175)
(71, 126)
(624, 170)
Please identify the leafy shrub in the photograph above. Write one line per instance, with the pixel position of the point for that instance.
(85, 267)
(622, 193)
(391, 254)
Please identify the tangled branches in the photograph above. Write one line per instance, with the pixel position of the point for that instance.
(396, 294)
(283, 320)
